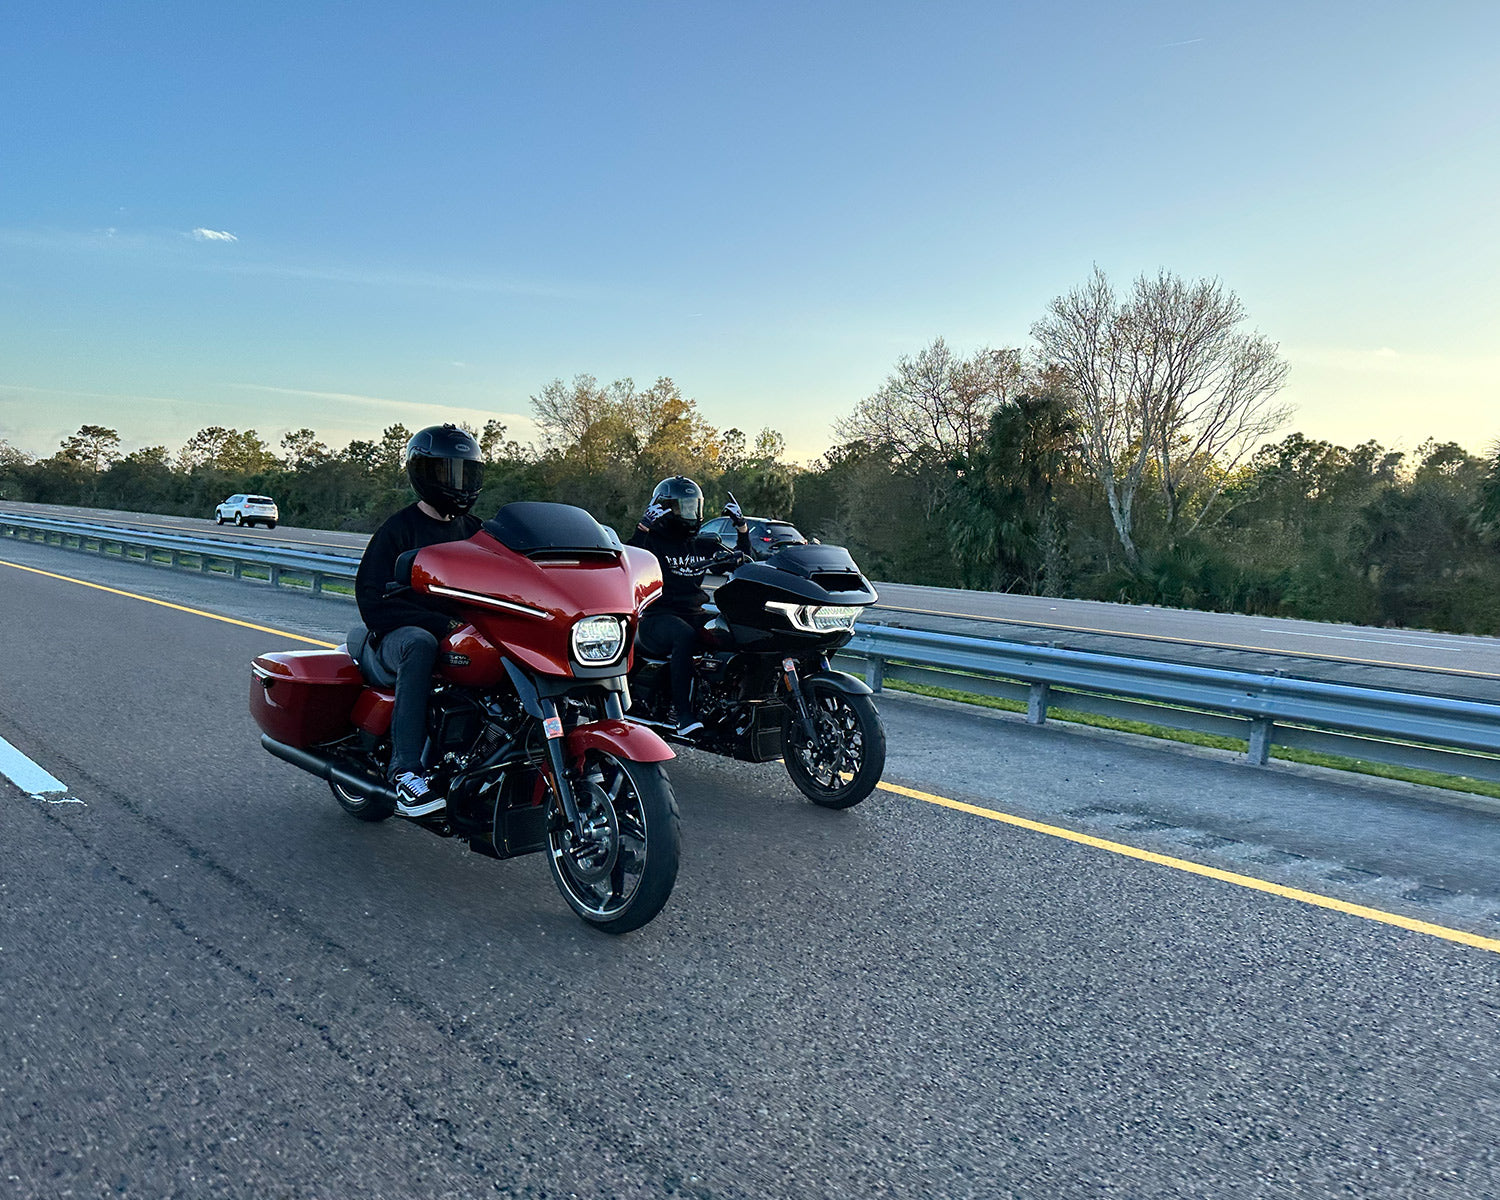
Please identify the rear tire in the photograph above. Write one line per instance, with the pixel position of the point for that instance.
(623, 876)
(239, 519)
(844, 764)
(362, 807)
(270, 524)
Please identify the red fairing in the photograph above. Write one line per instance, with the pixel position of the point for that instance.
(624, 739)
(645, 578)
(525, 609)
(645, 575)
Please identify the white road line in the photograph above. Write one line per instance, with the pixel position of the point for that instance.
(1409, 644)
(26, 775)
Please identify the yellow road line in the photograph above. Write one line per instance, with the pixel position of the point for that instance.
(197, 612)
(1192, 868)
(1177, 641)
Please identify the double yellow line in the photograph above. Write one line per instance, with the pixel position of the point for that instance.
(1249, 882)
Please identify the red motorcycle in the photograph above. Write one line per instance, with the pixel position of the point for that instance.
(526, 721)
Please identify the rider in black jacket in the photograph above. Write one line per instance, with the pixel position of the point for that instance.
(446, 471)
(669, 529)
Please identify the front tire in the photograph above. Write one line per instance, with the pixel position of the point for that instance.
(843, 763)
(621, 874)
(218, 519)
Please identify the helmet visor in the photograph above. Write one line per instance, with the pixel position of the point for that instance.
(448, 474)
(689, 508)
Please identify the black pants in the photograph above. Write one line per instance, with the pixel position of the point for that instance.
(411, 653)
(676, 635)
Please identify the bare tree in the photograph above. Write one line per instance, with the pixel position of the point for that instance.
(1161, 381)
(937, 401)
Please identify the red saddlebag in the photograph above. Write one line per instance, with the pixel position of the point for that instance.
(304, 697)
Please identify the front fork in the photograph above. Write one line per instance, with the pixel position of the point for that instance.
(798, 701)
(552, 726)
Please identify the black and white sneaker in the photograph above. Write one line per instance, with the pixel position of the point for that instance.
(414, 798)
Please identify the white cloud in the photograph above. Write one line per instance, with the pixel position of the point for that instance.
(447, 412)
(213, 235)
(1388, 361)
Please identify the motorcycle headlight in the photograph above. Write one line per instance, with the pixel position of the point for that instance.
(598, 640)
(834, 616)
(813, 618)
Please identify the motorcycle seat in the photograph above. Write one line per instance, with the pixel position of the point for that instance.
(364, 656)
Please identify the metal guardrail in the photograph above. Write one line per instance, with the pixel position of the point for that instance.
(282, 566)
(1459, 737)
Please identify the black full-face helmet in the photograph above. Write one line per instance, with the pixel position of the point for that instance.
(683, 500)
(445, 468)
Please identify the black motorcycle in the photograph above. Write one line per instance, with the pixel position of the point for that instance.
(763, 685)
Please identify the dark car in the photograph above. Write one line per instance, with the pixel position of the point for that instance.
(766, 535)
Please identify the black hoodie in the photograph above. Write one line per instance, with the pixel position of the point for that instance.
(684, 563)
(409, 529)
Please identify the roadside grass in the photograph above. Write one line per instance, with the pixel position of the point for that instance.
(1313, 758)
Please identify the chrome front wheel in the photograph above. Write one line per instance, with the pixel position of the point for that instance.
(618, 871)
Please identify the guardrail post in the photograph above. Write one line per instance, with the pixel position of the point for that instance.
(239, 570)
(317, 583)
(875, 673)
(1036, 704)
(275, 575)
(1260, 741)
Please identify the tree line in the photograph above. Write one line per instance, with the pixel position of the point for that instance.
(1124, 455)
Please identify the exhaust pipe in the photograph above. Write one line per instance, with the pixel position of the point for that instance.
(325, 768)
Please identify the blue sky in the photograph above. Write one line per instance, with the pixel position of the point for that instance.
(437, 208)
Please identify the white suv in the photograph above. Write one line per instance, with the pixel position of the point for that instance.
(247, 510)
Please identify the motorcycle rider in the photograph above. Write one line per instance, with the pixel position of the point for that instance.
(446, 470)
(669, 529)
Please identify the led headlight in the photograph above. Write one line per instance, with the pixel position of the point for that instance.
(834, 616)
(598, 640)
(813, 618)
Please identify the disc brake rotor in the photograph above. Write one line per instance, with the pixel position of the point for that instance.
(592, 856)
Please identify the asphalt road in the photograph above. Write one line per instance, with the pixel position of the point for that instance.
(213, 982)
(1402, 660)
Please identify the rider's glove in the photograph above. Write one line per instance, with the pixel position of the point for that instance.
(732, 511)
(652, 515)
